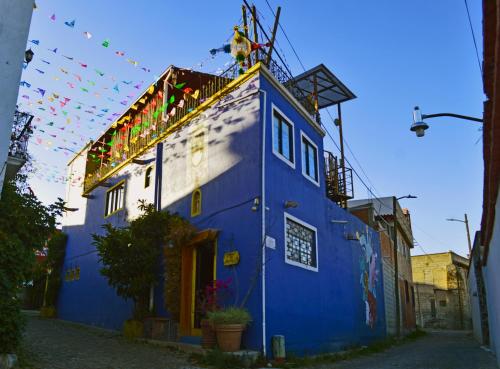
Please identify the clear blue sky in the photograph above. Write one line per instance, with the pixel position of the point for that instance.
(391, 54)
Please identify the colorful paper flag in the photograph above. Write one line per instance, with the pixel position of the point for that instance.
(87, 35)
(105, 43)
(53, 17)
(70, 24)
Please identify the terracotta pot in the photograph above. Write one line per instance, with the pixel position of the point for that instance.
(208, 338)
(229, 336)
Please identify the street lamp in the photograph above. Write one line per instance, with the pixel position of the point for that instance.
(466, 222)
(395, 247)
(419, 126)
(28, 56)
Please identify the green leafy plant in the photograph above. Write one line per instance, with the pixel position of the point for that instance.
(25, 225)
(130, 255)
(230, 315)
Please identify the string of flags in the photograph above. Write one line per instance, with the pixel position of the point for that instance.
(60, 127)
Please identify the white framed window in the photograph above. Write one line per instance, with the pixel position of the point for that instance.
(115, 197)
(301, 243)
(283, 137)
(309, 159)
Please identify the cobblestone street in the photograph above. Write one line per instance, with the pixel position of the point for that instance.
(56, 344)
(437, 350)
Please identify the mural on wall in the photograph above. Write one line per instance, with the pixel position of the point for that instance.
(368, 277)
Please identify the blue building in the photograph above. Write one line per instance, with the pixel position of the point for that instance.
(242, 158)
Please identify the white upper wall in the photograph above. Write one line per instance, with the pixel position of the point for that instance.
(203, 150)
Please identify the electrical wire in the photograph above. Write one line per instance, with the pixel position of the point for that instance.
(473, 39)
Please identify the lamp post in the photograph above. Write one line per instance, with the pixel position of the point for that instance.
(395, 247)
(28, 56)
(466, 222)
(419, 126)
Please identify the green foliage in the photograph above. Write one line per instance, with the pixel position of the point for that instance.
(218, 359)
(231, 315)
(25, 225)
(130, 255)
(55, 260)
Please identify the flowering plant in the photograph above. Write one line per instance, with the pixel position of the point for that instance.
(213, 296)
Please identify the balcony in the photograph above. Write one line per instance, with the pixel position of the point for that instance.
(18, 147)
(180, 94)
(339, 186)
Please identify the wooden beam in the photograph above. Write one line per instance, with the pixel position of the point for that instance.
(255, 34)
(245, 30)
(273, 36)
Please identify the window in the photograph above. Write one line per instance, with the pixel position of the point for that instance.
(442, 303)
(433, 308)
(114, 199)
(407, 292)
(147, 177)
(196, 203)
(283, 138)
(309, 159)
(300, 244)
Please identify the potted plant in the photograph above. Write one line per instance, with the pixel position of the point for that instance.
(229, 325)
(209, 302)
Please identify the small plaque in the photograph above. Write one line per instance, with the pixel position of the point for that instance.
(270, 242)
(231, 258)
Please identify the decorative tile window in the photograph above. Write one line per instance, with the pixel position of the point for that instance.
(301, 247)
(283, 142)
(309, 159)
(115, 199)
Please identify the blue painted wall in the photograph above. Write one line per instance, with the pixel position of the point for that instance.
(323, 310)
(316, 311)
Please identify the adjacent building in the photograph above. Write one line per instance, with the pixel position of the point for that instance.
(379, 214)
(15, 19)
(477, 293)
(241, 157)
(441, 290)
(488, 250)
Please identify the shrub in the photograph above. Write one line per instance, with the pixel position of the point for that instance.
(25, 225)
(130, 255)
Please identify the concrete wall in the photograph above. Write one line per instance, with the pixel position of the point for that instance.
(492, 278)
(474, 304)
(15, 19)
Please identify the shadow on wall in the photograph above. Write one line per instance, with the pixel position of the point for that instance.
(227, 199)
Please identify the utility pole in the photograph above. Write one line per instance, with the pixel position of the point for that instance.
(396, 271)
(466, 221)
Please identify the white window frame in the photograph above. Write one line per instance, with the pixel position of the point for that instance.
(277, 153)
(312, 228)
(311, 142)
(120, 200)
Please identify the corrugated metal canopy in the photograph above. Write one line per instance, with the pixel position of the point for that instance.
(330, 90)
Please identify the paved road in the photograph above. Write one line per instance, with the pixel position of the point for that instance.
(437, 350)
(55, 344)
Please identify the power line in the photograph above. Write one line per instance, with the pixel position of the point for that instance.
(375, 196)
(473, 38)
(284, 33)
